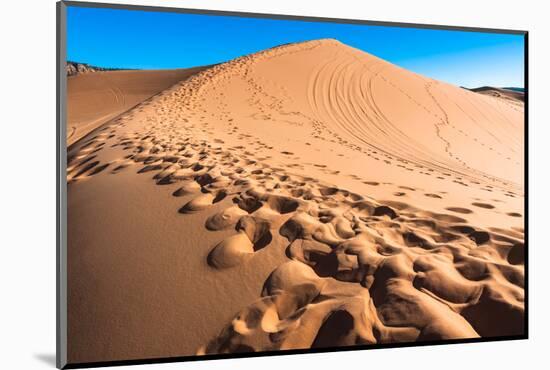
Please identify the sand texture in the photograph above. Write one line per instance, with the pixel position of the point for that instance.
(94, 98)
(306, 196)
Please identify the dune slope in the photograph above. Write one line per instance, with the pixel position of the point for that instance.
(96, 97)
(309, 195)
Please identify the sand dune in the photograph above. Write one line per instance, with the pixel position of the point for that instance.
(309, 195)
(506, 94)
(94, 98)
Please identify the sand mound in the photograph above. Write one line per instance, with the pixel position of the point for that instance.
(310, 195)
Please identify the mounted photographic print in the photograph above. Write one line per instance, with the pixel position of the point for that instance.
(235, 184)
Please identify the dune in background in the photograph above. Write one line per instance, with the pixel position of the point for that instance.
(306, 196)
(95, 97)
(508, 94)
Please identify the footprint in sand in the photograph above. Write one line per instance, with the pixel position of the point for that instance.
(253, 235)
(464, 211)
(407, 188)
(483, 205)
(188, 188)
(201, 202)
(514, 214)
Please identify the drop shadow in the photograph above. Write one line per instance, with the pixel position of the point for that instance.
(46, 358)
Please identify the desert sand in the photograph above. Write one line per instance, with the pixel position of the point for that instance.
(96, 97)
(306, 196)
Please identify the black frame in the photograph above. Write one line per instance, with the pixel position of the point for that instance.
(61, 191)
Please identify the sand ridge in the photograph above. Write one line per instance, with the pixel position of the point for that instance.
(382, 206)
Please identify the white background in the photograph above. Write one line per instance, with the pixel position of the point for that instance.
(27, 186)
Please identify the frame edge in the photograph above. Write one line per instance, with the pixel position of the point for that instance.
(294, 17)
(61, 187)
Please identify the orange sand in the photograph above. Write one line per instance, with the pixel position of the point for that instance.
(97, 97)
(310, 195)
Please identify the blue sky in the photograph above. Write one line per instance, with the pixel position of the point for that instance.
(158, 40)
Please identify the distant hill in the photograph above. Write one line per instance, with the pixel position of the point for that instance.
(513, 93)
(74, 68)
(519, 89)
